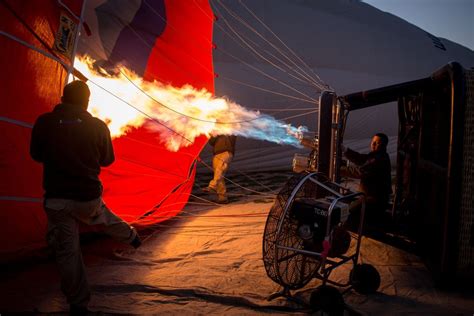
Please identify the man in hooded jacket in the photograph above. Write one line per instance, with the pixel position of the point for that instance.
(73, 145)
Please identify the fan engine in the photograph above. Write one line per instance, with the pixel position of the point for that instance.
(311, 217)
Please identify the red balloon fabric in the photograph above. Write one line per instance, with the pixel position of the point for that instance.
(147, 183)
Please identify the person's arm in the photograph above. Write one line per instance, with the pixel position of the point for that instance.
(37, 141)
(355, 157)
(107, 156)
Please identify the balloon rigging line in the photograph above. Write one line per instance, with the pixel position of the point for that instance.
(204, 38)
(183, 114)
(196, 232)
(255, 51)
(289, 96)
(218, 216)
(247, 189)
(159, 148)
(256, 69)
(283, 110)
(287, 108)
(242, 173)
(230, 36)
(306, 78)
(242, 21)
(299, 115)
(203, 199)
(149, 115)
(190, 228)
(175, 175)
(201, 232)
(239, 19)
(270, 195)
(123, 171)
(214, 18)
(250, 190)
(140, 111)
(224, 221)
(259, 215)
(206, 226)
(176, 66)
(183, 213)
(247, 258)
(312, 101)
(251, 233)
(209, 227)
(283, 43)
(268, 76)
(137, 34)
(183, 137)
(191, 202)
(208, 203)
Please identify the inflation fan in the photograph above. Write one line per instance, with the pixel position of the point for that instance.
(307, 236)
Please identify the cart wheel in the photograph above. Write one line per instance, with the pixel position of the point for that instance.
(327, 299)
(365, 278)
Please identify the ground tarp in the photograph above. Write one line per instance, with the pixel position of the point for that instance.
(208, 260)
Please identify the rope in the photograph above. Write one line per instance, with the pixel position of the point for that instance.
(312, 101)
(235, 16)
(250, 190)
(230, 36)
(276, 36)
(268, 76)
(185, 115)
(140, 111)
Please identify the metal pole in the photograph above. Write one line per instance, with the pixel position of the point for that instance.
(76, 41)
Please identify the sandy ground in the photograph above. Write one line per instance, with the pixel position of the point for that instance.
(208, 260)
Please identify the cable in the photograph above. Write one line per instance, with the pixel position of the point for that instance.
(185, 115)
(255, 68)
(236, 17)
(266, 90)
(269, 29)
(261, 193)
(140, 111)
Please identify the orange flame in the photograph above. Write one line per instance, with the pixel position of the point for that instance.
(124, 100)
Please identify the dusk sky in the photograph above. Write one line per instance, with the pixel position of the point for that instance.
(450, 19)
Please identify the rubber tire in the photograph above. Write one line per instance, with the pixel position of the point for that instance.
(327, 299)
(365, 278)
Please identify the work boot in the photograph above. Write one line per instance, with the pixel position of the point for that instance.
(223, 200)
(136, 242)
(209, 190)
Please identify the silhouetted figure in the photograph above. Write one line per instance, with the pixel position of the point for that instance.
(73, 145)
(223, 151)
(374, 171)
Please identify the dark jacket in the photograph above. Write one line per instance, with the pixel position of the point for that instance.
(222, 143)
(375, 177)
(72, 145)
